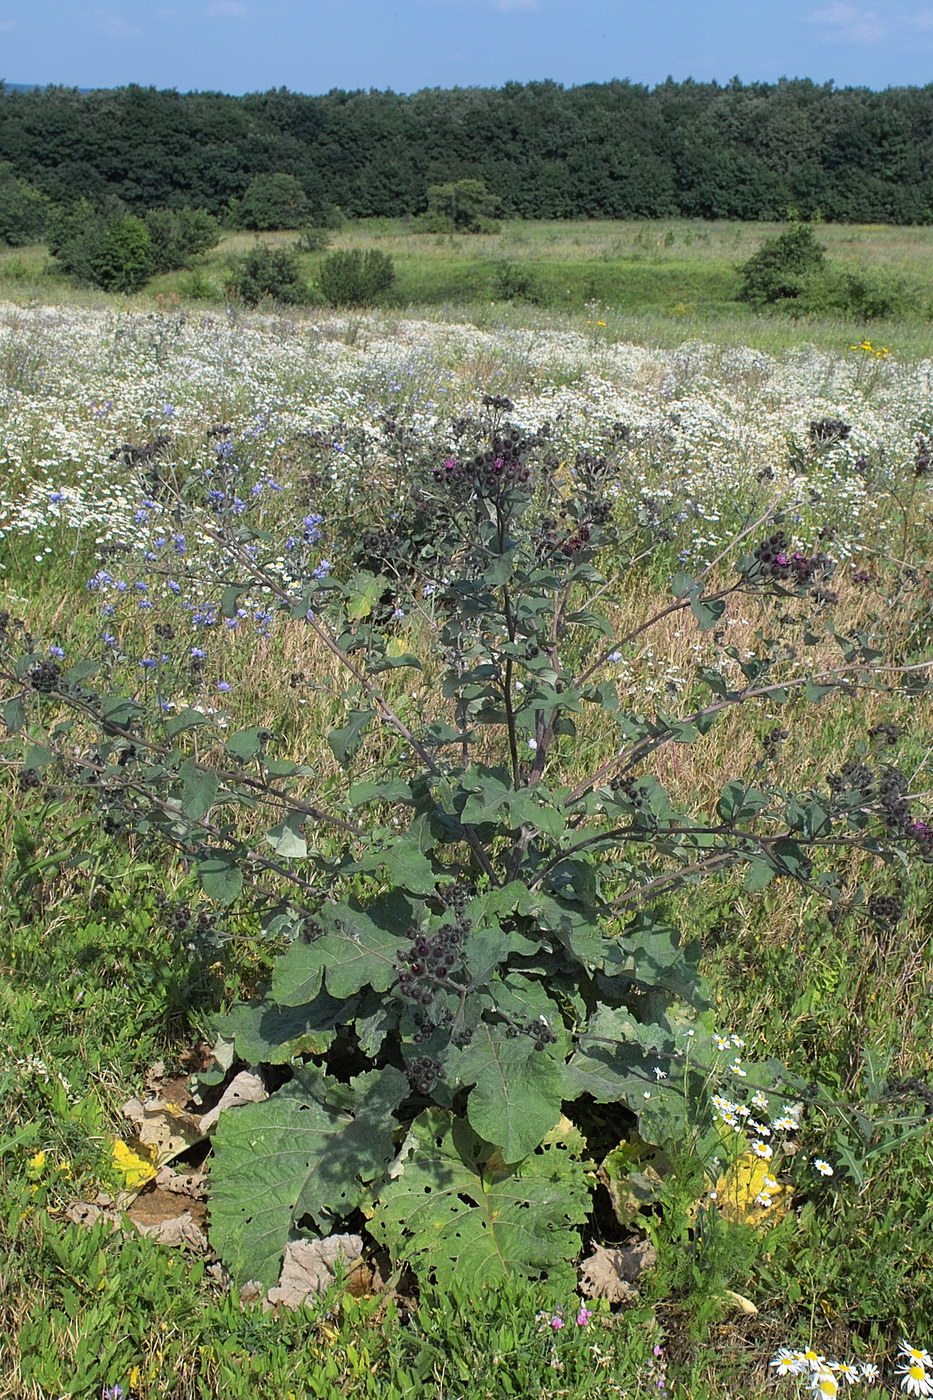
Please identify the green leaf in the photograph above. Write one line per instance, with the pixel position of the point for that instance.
(707, 612)
(296, 1156)
(118, 711)
(265, 1033)
(198, 791)
(392, 790)
(517, 1090)
(739, 802)
(758, 875)
(682, 584)
(230, 597)
(287, 839)
(185, 719)
(14, 715)
(459, 1216)
(221, 878)
(37, 756)
(246, 743)
(345, 742)
(352, 952)
(391, 663)
(363, 592)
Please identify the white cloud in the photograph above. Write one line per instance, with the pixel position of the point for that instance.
(225, 9)
(849, 24)
(115, 26)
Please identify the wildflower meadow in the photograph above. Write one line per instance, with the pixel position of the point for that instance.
(469, 819)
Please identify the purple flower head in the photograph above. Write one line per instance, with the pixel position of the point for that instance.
(583, 1316)
(223, 687)
(57, 496)
(57, 652)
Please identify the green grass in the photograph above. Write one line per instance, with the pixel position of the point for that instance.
(653, 283)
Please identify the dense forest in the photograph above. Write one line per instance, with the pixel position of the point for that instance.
(610, 150)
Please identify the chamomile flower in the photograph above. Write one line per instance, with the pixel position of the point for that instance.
(763, 1200)
(868, 1371)
(915, 1378)
(784, 1124)
(915, 1353)
(759, 1100)
(822, 1167)
(721, 1042)
(846, 1371)
(762, 1150)
(786, 1362)
(824, 1383)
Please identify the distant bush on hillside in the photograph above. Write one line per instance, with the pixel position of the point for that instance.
(117, 251)
(782, 267)
(355, 278)
(461, 206)
(268, 274)
(792, 271)
(178, 236)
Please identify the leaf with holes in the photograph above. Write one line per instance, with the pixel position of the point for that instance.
(456, 1213)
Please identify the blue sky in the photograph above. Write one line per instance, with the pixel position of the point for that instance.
(313, 45)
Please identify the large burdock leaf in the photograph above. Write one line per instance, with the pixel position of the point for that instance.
(356, 949)
(517, 1090)
(297, 1155)
(456, 1211)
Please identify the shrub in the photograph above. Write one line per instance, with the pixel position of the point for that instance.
(312, 239)
(355, 278)
(272, 202)
(781, 268)
(516, 284)
(180, 235)
(863, 294)
(268, 274)
(108, 249)
(461, 206)
(23, 209)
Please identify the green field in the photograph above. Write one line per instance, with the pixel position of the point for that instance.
(659, 283)
(654, 406)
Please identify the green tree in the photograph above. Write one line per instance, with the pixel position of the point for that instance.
(23, 209)
(123, 258)
(274, 201)
(461, 206)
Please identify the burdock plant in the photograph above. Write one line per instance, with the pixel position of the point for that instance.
(478, 948)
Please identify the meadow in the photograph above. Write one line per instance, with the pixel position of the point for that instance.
(699, 431)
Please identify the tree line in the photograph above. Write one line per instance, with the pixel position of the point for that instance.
(606, 150)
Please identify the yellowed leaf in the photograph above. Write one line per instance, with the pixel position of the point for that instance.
(742, 1189)
(134, 1168)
